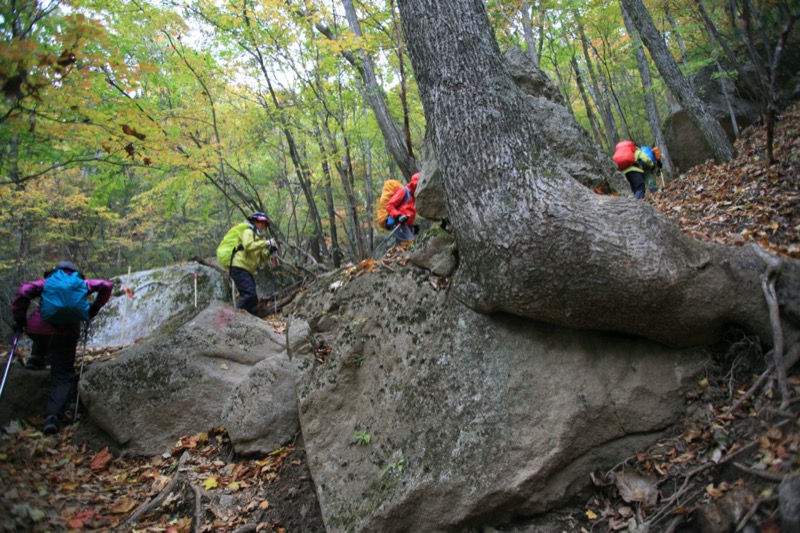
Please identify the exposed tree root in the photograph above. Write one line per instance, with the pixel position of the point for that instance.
(774, 266)
(159, 499)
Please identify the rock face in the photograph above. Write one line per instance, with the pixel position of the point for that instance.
(162, 299)
(419, 414)
(223, 368)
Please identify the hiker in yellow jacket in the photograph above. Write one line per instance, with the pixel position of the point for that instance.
(253, 252)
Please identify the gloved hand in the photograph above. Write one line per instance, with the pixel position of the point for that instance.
(272, 246)
(19, 325)
(402, 219)
(93, 312)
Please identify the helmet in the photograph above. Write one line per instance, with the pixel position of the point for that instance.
(259, 217)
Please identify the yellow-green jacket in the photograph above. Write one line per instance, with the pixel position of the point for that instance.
(253, 251)
(643, 163)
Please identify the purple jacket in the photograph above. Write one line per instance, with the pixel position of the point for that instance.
(37, 325)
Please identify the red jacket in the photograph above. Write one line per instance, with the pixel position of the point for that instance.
(397, 205)
(37, 325)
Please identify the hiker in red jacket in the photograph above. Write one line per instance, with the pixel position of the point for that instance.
(58, 341)
(633, 162)
(402, 208)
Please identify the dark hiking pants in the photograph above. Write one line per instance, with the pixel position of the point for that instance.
(61, 353)
(246, 285)
(636, 179)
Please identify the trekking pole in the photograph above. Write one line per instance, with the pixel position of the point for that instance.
(80, 374)
(396, 227)
(10, 356)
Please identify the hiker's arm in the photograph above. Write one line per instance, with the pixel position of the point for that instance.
(27, 292)
(103, 289)
(251, 243)
(395, 201)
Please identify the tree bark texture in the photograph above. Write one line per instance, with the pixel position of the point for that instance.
(535, 242)
(709, 127)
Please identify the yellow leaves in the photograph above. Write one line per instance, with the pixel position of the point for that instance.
(591, 515)
(210, 483)
(123, 506)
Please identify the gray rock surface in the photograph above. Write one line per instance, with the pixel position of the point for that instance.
(195, 379)
(426, 416)
(163, 299)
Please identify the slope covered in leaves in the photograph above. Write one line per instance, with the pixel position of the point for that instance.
(744, 200)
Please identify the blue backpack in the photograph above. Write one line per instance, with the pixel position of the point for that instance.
(649, 153)
(65, 298)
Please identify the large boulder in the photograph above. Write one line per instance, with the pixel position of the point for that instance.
(419, 414)
(224, 368)
(159, 300)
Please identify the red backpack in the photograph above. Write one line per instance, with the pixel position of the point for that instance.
(624, 154)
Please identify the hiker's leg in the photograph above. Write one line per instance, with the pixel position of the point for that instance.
(40, 351)
(636, 179)
(403, 233)
(62, 374)
(246, 285)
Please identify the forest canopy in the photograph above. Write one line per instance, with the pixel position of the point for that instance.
(134, 134)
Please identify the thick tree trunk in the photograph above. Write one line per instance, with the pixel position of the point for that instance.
(715, 137)
(536, 243)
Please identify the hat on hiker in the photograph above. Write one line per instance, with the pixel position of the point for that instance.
(260, 217)
(66, 265)
(412, 185)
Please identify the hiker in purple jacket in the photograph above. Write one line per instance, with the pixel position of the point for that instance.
(58, 341)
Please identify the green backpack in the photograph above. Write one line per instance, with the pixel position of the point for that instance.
(230, 242)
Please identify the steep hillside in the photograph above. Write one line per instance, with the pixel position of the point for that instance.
(720, 469)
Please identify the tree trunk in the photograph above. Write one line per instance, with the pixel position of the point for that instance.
(715, 137)
(527, 29)
(593, 125)
(536, 243)
(612, 137)
(375, 97)
(336, 253)
(649, 99)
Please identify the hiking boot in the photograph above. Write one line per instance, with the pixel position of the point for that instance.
(35, 363)
(51, 425)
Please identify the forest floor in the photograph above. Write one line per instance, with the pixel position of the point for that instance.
(719, 470)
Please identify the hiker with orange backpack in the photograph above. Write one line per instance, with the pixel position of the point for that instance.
(55, 328)
(633, 162)
(402, 210)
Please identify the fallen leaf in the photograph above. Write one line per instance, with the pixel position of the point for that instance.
(210, 483)
(635, 487)
(123, 506)
(591, 515)
(101, 460)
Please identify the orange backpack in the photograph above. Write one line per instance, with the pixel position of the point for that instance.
(389, 187)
